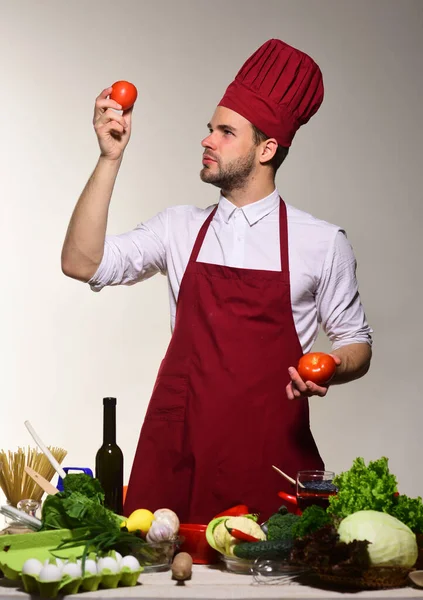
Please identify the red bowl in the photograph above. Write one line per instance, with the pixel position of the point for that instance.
(196, 544)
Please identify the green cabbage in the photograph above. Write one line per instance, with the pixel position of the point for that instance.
(391, 542)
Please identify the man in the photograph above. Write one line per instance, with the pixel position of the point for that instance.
(250, 279)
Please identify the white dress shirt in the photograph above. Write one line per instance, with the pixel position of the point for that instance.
(322, 265)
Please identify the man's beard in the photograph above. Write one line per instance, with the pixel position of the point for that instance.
(232, 176)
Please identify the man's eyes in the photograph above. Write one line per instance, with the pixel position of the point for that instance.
(225, 131)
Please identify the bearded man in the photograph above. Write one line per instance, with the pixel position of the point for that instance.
(250, 281)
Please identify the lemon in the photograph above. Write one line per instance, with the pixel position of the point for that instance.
(140, 519)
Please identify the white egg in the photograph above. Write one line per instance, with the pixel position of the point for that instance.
(32, 566)
(90, 567)
(131, 562)
(107, 563)
(58, 562)
(50, 573)
(72, 569)
(118, 557)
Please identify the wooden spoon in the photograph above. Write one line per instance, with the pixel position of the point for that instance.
(287, 476)
(41, 481)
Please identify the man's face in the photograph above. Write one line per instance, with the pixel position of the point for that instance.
(229, 157)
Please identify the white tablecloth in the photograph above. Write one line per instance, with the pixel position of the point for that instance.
(212, 583)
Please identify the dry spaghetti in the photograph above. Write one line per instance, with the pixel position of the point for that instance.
(15, 483)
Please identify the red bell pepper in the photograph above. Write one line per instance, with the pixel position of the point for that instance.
(236, 511)
(241, 535)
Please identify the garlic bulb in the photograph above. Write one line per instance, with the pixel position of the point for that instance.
(160, 531)
(165, 515)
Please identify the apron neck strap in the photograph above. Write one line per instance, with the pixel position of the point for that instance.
(283, 236)
(201, 235)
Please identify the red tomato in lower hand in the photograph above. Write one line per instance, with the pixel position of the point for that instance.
(317, 367)
(124, 93)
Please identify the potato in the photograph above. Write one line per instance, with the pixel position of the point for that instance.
(182, 566)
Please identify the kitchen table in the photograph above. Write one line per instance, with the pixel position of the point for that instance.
(214, 583)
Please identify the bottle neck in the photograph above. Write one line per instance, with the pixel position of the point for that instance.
(109, 425)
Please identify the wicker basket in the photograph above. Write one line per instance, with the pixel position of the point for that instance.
(375, 578)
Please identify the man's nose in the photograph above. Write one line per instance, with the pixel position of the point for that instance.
(208, 142)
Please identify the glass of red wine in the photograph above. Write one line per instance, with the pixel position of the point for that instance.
(315, 487)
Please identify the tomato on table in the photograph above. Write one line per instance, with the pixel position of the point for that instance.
(125, 93)
(317, 367)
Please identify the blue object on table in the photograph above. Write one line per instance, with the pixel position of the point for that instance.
(85, 470)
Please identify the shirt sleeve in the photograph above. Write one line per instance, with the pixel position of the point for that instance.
(338, 301)
(133, 256)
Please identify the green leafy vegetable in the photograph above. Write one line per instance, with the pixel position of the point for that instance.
(374, 488)
(313, 518)
(392, 544)
(74, 510)
(322, 550)
(279, 526)
(85, 485)
(363, 488)
(409, 511)
(80, 506)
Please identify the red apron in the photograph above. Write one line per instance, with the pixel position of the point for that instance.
(219, 417)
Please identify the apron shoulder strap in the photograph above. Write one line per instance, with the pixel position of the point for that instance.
(283, 236)
(201, 235)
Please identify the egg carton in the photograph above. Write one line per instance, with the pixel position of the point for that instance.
(88, 583)
(16, 549)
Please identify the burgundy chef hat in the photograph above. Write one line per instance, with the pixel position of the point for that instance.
(278, 89)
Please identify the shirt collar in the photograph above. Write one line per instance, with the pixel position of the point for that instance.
(253, 212)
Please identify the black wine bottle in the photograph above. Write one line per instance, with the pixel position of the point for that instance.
(109, 460)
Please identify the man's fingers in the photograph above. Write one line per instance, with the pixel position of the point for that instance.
(111, 115)
(104, 103)
(104, 106)
(298, 388)
(296, 380)
(113, 127)
(127, 115)
(336, 359)
(289, 392)
(316, 390)
(292, 392)
(128, 112)
(106, 92)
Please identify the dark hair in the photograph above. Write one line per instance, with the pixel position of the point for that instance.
(280, 154)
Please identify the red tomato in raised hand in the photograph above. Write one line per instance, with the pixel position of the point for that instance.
(317, 367)
(124, 93)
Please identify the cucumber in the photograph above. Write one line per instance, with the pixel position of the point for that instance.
(277, 549)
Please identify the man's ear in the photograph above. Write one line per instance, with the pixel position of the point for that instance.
(268, 150)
